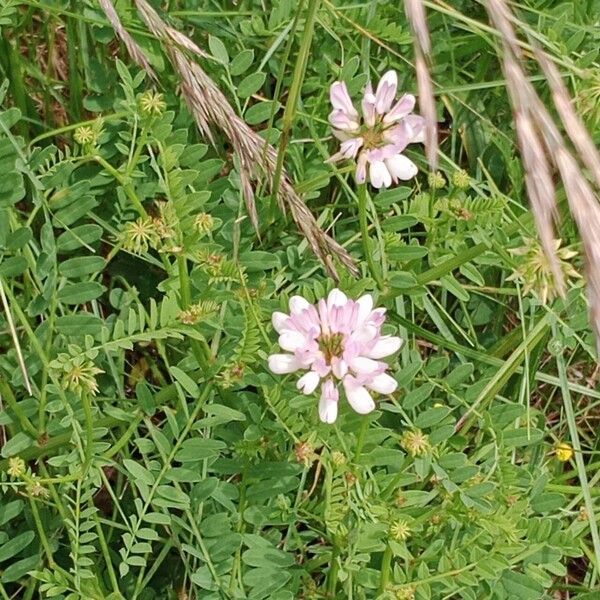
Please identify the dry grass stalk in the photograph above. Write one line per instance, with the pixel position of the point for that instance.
(256, 158)
(572, 122)
(133, 49)
(538, 175)
(415, 12)
(586, 212)
(583, 203)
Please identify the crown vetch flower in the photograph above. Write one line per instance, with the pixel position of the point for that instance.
(378, 139)
(336, 340)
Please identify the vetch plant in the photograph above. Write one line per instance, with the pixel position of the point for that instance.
(338, 339)
(377, 139)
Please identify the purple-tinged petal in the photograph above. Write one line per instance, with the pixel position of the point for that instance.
(361, 168)
(386, 92)
(403, 107)
(340, 99)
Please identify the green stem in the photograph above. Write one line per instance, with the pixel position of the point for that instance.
(89, 432)
(42, 533)
(127, 187)
(386, 567)
(3, 593)
(294, 94)
(200, 348)
(360, 442)
(7, 394)
(366, 241)
(332, 576)
(105, 553)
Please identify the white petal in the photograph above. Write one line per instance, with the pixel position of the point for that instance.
(364, 366)
(385, 345)
(365, 306)
(308, 382)
(383, 383)
(358, 397)
(328, 410)
(401, 167)
(292, 340)
(339, 367)
(365, 333)
(328, 404)
(336, 298)
(281, 364)
(298, 304)
(279, 319)
(379, 175)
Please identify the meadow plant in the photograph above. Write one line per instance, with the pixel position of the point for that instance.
(273, 328)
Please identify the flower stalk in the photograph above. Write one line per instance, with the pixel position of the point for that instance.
(366, 240)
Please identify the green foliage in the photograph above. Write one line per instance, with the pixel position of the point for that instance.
(147, 452)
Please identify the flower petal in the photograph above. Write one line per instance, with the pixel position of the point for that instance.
(281, 364)
(401, 167)
(292, 340)
(339, 367)
(361, 168)
(386, 92)
(365, 306)
(384, 346)
(336, 298)
(358, 396)
(415, 128)
(350, 148)
(379, 175)
(340, 99)
(298, 304)
(279, 320)
(383, 384)
(362, 365)
(368, 106)
(308, 382)
(328, 404)
(342, 120)
(403, 107)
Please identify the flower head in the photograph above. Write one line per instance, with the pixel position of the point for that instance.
(152, 103)
(76, 371)
(137, 236)
(378, 139)
(564, 451)
(535, 271)
(336, 340)
(415, 442)
(16, 466)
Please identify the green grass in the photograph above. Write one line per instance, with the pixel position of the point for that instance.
(161, 458)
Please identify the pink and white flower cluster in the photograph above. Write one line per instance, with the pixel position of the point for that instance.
(338, 339)
(381, 135)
